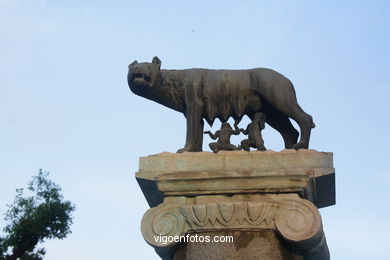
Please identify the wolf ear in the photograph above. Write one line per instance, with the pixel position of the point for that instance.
(156, 61)
(133, 63)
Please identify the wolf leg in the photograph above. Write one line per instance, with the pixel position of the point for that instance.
(194, 138)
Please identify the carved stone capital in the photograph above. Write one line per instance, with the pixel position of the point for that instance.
(296, 220)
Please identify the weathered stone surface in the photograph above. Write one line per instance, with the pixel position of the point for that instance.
(203, 173)
(235, 160)
(264, 197)
(296, 220)
(247, 245)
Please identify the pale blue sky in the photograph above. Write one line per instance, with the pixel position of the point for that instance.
(65, 105)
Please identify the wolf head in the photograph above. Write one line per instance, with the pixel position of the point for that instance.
(143, 77)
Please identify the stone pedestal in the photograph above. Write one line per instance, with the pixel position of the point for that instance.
(267, 201)
(248, 245)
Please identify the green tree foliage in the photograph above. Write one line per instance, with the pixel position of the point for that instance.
(32, 219)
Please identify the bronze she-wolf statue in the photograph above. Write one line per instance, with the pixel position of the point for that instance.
(208, 94)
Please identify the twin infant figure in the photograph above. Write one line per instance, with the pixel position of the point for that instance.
(253, 130)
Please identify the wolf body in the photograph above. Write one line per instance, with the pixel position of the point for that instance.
(209, 94)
